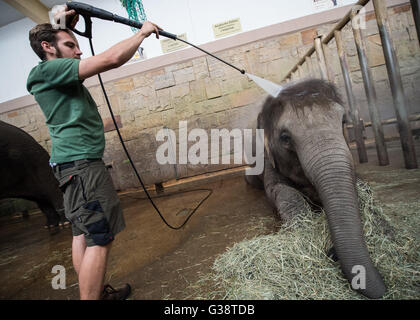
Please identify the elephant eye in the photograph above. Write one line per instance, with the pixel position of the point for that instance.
(285, 137)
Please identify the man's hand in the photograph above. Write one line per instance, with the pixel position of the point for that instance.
(149, 28)
(63, 17)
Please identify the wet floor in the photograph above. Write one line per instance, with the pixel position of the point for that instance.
(161, 263)
(147, 254)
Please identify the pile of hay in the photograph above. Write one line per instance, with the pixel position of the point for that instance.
(293, 263)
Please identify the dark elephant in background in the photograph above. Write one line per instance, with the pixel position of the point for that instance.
(25, 173)
(307, 157)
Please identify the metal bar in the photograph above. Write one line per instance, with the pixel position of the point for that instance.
(414, 117)
(321, 58)
(310, 66)
(394, 74)
(370, 93)
(353, 106)
(340, 25)
(415, 5)
(301, 72)
(330, 71)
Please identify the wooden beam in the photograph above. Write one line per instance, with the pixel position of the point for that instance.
(34, 9)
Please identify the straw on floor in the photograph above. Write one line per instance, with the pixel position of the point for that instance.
(293, 263)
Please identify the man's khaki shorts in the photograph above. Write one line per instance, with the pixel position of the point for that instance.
(91, 203)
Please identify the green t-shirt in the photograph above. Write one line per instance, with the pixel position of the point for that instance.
(72, 117)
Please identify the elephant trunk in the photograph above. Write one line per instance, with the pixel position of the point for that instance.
(328, 164)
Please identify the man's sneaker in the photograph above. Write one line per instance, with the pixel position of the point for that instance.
(109, 293)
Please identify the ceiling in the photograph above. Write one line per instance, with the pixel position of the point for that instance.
(9, 14)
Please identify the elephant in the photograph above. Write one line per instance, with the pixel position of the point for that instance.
(25, 173)
(306, 157)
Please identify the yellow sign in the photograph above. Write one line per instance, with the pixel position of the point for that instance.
(228, 27)
(169, 45)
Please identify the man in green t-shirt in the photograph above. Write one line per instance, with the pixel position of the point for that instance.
(77, 134)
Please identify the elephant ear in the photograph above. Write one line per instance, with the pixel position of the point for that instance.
(268, 153)
(260, 125)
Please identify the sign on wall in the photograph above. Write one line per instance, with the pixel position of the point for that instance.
(169, 45)
(226, 28)
(324, 4)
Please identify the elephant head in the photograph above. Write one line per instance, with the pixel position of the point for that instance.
(305, 145)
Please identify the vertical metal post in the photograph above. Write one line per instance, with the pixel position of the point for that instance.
(353, 106)
(311, 72)
(415, 5)
(317, 67)
(370, 92)
(321, 58)
(330, 71)
(394, 74)
(301, 72)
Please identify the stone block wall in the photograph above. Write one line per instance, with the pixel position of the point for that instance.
(209, 94)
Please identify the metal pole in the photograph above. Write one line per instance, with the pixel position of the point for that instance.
(415, 5)
(353, 106)
(301, 72)
(321, 58)
(400, 101)
(370, 93)
(310, 67)
(330, 71)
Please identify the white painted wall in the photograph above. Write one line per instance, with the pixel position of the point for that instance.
(193, 17)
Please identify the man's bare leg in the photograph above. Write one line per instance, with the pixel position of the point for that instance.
(92, 272)
(78, 251)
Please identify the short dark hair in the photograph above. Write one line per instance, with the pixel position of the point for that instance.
(43, 32)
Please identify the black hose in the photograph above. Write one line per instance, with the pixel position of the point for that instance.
(132, 163)
(212, 55)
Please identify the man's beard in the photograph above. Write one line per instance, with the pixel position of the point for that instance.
(58, 53)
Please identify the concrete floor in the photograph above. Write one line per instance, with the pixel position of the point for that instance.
(162, 263)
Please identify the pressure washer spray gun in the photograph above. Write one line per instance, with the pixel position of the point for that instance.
(88, 12)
